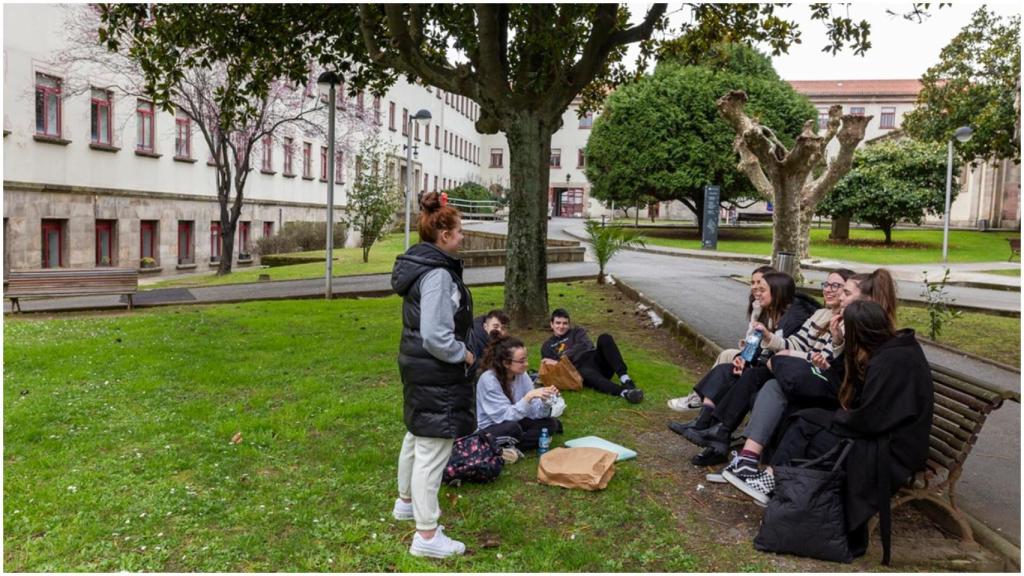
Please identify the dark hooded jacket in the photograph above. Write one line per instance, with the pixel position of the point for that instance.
(802, 308)
(439, 399)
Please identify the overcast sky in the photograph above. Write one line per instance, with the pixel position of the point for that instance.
(900, 49)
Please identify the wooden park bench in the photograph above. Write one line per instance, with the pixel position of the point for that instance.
(962, 404)
(56, 282)
(1014, 248)
(753, 217)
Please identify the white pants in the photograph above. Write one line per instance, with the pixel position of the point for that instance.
(420, 468)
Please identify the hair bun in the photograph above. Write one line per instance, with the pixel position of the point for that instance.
(430, 202)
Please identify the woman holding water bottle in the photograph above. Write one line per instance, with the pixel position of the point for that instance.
(507, 404)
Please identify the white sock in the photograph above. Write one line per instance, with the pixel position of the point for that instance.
(625, 378)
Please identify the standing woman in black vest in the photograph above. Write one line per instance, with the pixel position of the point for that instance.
(437, 315)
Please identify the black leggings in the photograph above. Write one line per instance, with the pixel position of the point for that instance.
(526, 431)
(597, 366)
(732, 406)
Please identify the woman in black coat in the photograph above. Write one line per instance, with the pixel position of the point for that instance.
(885, 408)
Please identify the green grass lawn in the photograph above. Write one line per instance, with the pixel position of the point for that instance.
(1006, 272)
(986, 335)
(348, 262)
(117, 452)
(910, 246)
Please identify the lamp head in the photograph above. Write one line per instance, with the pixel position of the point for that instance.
(568, 178)
(963, 133)
(422, 116)
(327, 79)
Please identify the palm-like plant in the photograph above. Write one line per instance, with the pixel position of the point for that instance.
(606, 241)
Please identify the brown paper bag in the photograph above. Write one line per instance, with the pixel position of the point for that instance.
(563, 375)
(584, 468)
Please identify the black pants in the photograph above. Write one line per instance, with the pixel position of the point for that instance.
(598, 366)
(735, 403)
(526, 431)
(803, 438)
(716, 382)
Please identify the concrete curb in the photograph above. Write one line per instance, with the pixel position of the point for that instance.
(983, 285)
(682, 331)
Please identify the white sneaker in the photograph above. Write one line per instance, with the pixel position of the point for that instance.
(440, 546)
(402, 510)
(686, 403)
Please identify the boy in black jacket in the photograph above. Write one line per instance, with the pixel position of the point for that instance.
(596, 364)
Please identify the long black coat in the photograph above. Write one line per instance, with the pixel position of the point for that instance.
(439, 398)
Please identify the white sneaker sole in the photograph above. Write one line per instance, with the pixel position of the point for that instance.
(715, 478)
(401, 517)
(434, 553)
(742, 486)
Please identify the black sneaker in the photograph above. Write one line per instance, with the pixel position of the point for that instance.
(759, 486)
(633, 395)
(709, 457)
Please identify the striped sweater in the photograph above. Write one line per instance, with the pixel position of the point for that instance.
(813, 336)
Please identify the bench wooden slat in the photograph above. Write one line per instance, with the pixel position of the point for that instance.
(936, 443)
(966, 379)
(970, 426)
(946, 462)
(990, 397)
(941, 388)
(939, 423)
(71, 282)
(965, 411)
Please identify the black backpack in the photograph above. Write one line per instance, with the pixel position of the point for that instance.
(475, 458)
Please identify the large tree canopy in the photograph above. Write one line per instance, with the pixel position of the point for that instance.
(975, 83)
(662, 136)
(523, 64)
(892, 181)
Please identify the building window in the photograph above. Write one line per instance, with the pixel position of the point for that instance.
(186, 250)
(243, 239)
(53, 243)
(416, 135)
(445, 141)
(48, 114)
(437, 137)
(391, 116)
(268, 153)
(447, 98)
(359, 167)
(268, 228)
(288, 145)
(101, 121)
(182, 136)
(339, 168)
(437, 92)
(822, 118)
(215, 242)
(888, 117)
(556, 158)
(405, 121)
(144, 120)
(497, 158)
(426, 130)
(360, 105)
(587, 121)
(435, 183)
(307, 160)
(323, 163)
(376, 110)
(581, 159)
(340, 97)
(105, 242)
(857, 110)
(148, 240)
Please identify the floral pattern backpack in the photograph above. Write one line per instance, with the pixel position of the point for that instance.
(475, 458)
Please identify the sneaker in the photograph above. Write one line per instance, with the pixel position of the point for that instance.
(511, 455)
(709, 457)
(402, 510)
(734, 461)
(633, 395)
(686, 403)
(440, 546)
(759, 486)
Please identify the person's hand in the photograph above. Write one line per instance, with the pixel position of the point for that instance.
(835, 327)
(766, 334)
(737, 364)
(548, 361)
(542, 393)
(818, 359)
(470, 358)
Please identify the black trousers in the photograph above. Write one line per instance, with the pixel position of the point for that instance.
(716, 382)
(803, 438)
(597, 366)
(526, 431)
(732, 406)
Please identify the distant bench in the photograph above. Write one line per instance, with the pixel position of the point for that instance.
(753, 217)
(58, 282)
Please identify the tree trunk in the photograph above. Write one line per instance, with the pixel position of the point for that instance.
(806, 221)
(840, 228)
(526, 291)
(786, 233)
(887, 229)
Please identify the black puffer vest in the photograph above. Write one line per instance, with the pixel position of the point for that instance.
(440, 399)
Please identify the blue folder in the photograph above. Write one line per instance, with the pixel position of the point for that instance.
(597, 442)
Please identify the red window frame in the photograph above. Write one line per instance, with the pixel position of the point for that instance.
(340, 97)
(405, 121)
(215, 241)
(307, 159)
(887, 120)
(151, 227)
(243, 236)
(96, 106)
(360, 105)
(581, 159)
(268, 153)
(497, 158)
(376, 110)
(45, 95)
(435, 183)
(182, 126)
(49, 226)
(108, 227)
(268, 228)
(391, 116)
(446, 139)
(339, 167)
(416, 134)
(323, 163)
(426, 182)
(186, 248)
(145, 117)
(437, 137)
(426, 136)
(288, 160)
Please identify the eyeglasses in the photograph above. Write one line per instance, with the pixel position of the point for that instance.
(831, 286)
(523, 361)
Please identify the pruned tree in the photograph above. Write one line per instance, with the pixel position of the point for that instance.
(376, 195)
(787, 174)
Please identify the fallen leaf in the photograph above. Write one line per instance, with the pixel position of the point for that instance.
(237, 438)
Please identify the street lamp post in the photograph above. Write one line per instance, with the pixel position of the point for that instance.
(328, 81)
(422, 115)
(962, 134)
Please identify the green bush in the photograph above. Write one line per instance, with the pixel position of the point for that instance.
(475, 192)
(301, 237)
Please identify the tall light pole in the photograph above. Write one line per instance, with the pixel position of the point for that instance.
(327, 82)
(962, 134)
(421, 116)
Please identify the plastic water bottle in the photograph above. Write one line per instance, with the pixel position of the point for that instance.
(543, 443)
(751, 348)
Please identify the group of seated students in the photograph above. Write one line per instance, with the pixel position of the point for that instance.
(824, 374)
(507, 402)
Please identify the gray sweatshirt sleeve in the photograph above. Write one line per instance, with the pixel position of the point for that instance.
(439, 299)
(493, 406)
